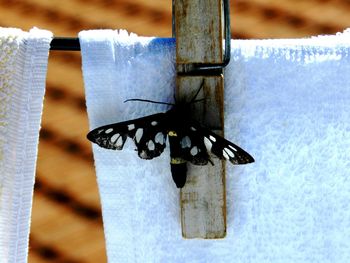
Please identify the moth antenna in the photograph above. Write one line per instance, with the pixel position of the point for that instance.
(195, 96)
(150, 101)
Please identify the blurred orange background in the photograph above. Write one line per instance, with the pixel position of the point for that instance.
(66, 217)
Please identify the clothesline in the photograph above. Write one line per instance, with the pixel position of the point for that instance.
(72, 44)
(65, 43)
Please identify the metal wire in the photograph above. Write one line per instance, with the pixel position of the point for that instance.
(65, 44)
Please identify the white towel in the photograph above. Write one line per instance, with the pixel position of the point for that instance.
(287, 102)
(23, 64)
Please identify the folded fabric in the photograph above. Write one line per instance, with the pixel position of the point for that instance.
(287, 102)
(23, 64)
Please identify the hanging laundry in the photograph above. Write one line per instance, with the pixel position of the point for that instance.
(23, 65)
(286, 101)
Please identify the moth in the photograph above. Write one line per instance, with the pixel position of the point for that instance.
(189, 141)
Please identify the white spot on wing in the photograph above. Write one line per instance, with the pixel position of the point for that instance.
(194, 151)
(212, 138)
(119, 141)
(138, 135)
(233, 148)
(131, 127)
(193, 129)
(114, 137)
(154, 123)
(229, 152)
(159, 138)
(109, 130)
(151, 145)
(186, 142)
(225, 155)
(143, 154)
(207, 143)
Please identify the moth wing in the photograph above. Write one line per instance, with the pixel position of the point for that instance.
(148, 134)
(202, 139)
(193, 147)
(223, 148)
(150, 138)
(112, 136)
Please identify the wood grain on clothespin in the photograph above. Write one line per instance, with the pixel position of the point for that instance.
(199, 40)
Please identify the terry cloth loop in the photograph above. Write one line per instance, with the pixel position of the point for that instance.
(23, 64)
(287, 102)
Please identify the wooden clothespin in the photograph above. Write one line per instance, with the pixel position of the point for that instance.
(200, 27)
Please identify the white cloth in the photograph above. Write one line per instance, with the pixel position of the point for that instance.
(23, 64)
(287, 102)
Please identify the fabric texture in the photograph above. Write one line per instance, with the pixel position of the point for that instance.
(287, 102)
(23, 64)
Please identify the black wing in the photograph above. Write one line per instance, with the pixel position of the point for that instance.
(193, 147)
(196, 140)
(148, 133)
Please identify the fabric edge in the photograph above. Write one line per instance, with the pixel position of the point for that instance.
(26, 109)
